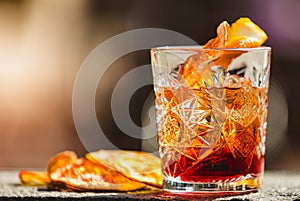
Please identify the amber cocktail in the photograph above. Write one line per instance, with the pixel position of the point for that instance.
(211, 113)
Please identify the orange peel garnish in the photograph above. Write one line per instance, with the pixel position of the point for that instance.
(243, 33)
(223, 31)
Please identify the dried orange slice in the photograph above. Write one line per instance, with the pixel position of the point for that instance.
(140, 166)
(60, 160)
(81, 174)
(104, 157)
(34, 178)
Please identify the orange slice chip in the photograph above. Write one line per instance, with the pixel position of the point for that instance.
(34, 178)
(140, 166)
(84, 175)
(61, 160)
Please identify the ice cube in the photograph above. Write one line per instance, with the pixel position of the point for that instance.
(245, 106)
(166, 81)
(199, 71)
(233, 81)
(254, 66)
(218, 75)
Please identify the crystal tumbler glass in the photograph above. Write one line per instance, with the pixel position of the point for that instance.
(211, 116)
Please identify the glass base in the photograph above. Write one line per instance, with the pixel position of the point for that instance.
(245, 185)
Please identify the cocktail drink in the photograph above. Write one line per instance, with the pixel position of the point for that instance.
(211, 113)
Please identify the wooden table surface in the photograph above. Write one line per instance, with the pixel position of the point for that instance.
(278, 185)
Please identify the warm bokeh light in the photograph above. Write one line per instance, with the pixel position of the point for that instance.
(37, 70)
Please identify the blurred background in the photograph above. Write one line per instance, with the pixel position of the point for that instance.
(44, 42)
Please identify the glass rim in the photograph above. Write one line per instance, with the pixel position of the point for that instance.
(200, 47)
